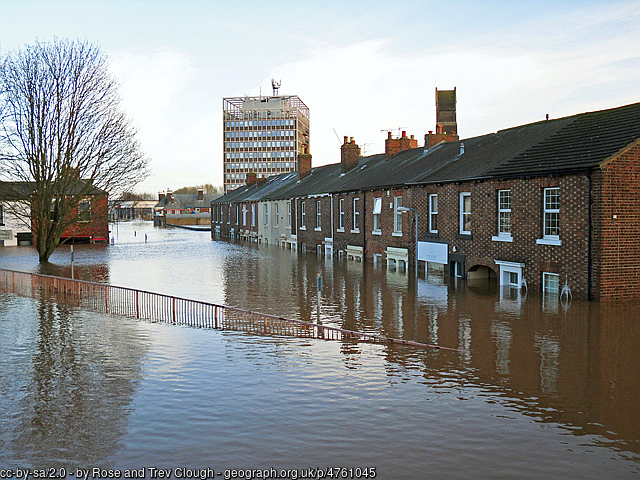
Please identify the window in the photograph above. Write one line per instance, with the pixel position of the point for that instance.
(318, 214)
(341, 214)
(266, 214)
(303, 216)
(504, 216)
(253, 214)
(244, 215)
(276, 215)
(397, 216)
(237, 214)
(356, 214)
(465, 213)
(288, 214)
(550, 283)
(1, 216)
(551, 213)
(377, 211)
(433, 213)
(551, 217)
(84, 211)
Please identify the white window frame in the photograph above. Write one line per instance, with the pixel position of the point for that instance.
(507, 268)
(253, 214)
(503, 236)
(546, 277)
(341, 215)
(548, 239)
(276, 215)
(356, 215)
(288, 214)
(244, 215)
(318, 215)
(303, 216)
(433, 213)
(464, 213)
(397, 216)
(266, 214)
(377, 212)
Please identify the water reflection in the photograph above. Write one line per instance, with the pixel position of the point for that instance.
(571, 366)
(76, 376)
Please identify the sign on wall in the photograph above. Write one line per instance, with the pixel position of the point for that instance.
(433, 252)
(6, 234)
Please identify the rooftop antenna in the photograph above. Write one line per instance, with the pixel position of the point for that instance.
(364, 148)
(392, 129)
(337, 136)
(275, 85)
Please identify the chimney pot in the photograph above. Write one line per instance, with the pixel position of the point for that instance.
(345, 139)
(404, 133)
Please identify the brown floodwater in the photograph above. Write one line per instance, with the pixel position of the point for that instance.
(541, 388)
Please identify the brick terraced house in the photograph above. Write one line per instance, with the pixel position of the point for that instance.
(546, 206)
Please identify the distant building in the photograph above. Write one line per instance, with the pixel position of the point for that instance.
(263, 135)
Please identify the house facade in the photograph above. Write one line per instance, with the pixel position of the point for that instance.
(90, 223)
(552, 206)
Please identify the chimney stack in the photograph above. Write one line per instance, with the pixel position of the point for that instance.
(169, 196)
(160, 196)
(395, 145)
(200, 194)
(349, 155)
(251, 178)
(304, 163)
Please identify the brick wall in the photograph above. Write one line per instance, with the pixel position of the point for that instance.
(616, 245)
(570, 259)
(348, 236)
(310, 236)
(97, 227)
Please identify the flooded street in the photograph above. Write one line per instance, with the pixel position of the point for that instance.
(543, 388)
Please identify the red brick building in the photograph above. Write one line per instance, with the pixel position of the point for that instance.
(552, 206)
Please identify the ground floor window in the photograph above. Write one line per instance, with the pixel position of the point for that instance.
(550, 283)
(510, 273)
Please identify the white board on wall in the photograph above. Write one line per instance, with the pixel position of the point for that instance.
(433, 252)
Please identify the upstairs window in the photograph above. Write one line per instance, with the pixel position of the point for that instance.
(276, 215)
(465, 213)
(397, 216)
(303, 215)
(377, 211)
(341, 214)
(318, 214)
(84, 210)
(356, 214)
(433, 213)
(288, 214)
(504, 213)
(552, 213)
(266, 214)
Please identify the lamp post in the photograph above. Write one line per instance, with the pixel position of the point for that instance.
(407, 209)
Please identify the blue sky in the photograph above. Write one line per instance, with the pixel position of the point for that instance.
(360, 66)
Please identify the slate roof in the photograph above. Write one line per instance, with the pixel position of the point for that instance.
(552, 147)
(187, 200)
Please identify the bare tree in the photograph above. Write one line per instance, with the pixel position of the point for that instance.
(62, 132)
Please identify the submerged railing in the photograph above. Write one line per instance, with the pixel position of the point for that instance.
(156, 307)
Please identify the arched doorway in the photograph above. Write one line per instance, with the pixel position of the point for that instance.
(483, 280)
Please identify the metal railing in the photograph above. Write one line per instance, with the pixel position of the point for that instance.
(156, 307)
